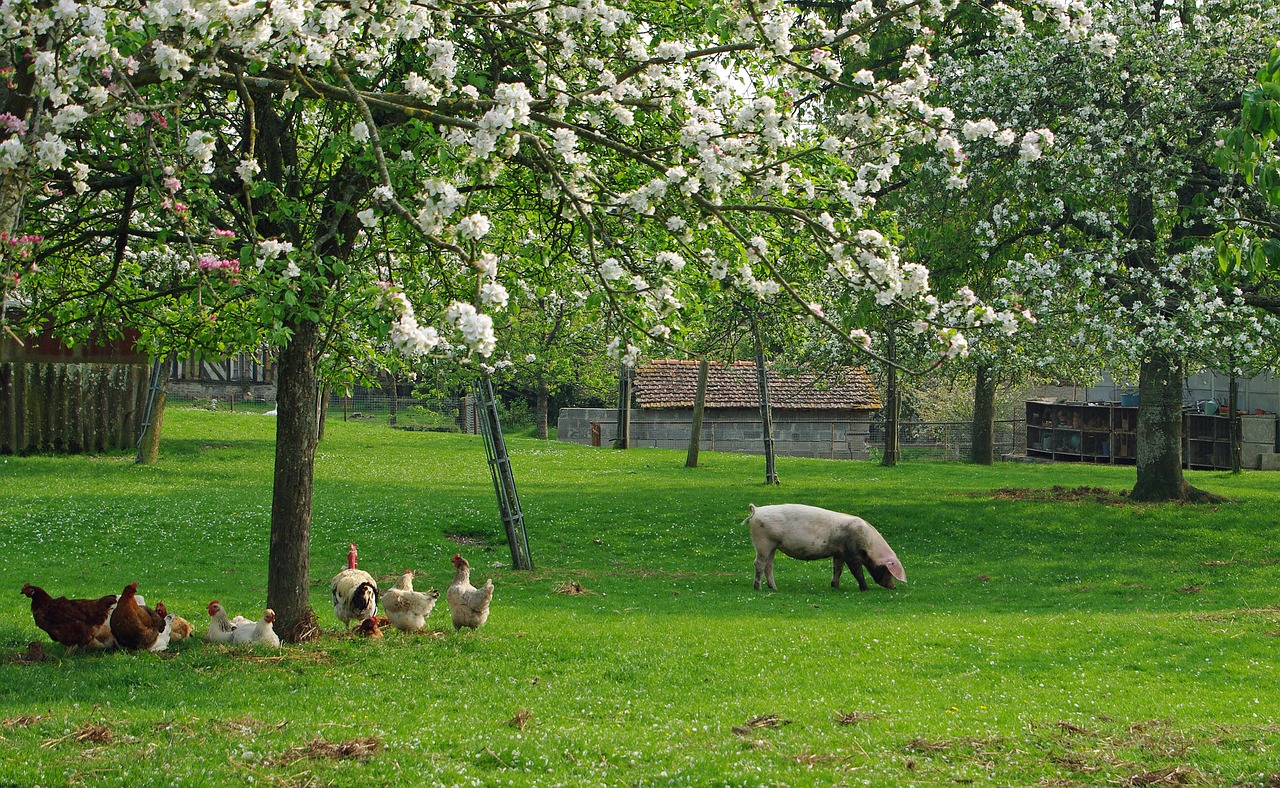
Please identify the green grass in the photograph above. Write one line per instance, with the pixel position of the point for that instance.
(1038, 642)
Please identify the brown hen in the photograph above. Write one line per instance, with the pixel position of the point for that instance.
(75, 623)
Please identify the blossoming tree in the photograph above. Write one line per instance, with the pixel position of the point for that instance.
(1125, 210)
(332, 175)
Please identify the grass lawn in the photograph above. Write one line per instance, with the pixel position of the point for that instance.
(1042, 640)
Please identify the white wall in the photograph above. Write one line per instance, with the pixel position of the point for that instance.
(1261, 392)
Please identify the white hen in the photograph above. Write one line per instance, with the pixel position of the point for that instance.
(221, 630)
(354, 593)
(259, 632)
(468, 605)
(162, 639)
(406, 609)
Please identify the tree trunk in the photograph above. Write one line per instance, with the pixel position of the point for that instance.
(149, 448)
(766, 411)
(983, 451)
(1160, 434)
(541, 406)
(395, 401)
(322, 411)
(623, 439)
(289, 560)
(1233, 419)
(699, 410)
(892, 403)
(15, 100)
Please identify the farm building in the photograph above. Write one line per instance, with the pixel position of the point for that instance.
(825, 416)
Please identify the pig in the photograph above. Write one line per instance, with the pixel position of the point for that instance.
(808, 533)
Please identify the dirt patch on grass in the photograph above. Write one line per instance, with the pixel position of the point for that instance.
(572, 588)
(1058, 494)
(1174, 775)
(25, 721)
(521, 720)
(247, 726)
(85, 734)
(466, 540)
(35, 652)
(763, 721)
(856, 717)
(814, 758)
(1231, 615)
(924, 745)
(321, 750)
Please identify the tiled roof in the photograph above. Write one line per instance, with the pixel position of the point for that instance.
(671, 383)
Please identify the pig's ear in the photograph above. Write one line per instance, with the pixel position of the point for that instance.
(895, 568)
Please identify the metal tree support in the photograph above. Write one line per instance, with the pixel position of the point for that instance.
(504, 481)
(151, 404)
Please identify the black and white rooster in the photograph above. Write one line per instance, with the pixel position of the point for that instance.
(355, 593)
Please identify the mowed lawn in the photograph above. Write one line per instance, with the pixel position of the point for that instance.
(1043, 639)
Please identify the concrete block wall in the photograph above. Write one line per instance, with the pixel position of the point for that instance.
(820, 434)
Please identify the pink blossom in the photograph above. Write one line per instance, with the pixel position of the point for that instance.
(13, 123)
(211, 263)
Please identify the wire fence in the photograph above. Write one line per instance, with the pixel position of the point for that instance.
(436, 414)
(949, 441)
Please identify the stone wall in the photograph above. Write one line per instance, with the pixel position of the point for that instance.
(836, 435)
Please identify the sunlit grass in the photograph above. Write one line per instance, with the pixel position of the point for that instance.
(1038, 642)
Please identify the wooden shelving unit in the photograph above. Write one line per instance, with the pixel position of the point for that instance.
(1083, 432)
(1206, 441)
(1106, 433)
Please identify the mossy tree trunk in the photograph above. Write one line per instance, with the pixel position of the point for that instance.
(699, 411)
(983, 450)
(542, 405)
(149, 448)
(289, 559)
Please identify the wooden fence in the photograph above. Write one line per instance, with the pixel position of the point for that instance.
(71, 408)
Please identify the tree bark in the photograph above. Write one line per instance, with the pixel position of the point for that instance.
(542, 404)
(1233, 420)
(149, 448)
(1159, 436)
(699, 410)
(395, 400)
(322, 410)
(289, 560)
(766, 411)
(983, 450)
(623, 439)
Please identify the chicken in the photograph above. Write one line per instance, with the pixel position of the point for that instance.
(468, 605)
(256, 632)
(265, 635)
(220, 629)
(406, 609)
(137, 627)
(164, 635)
(370, 628)
(75, 623)
(182, 628)
(354, 592)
